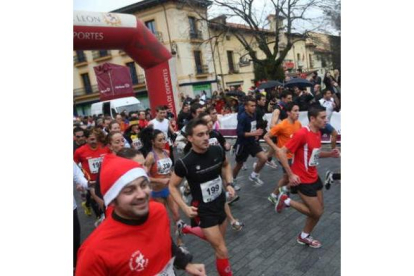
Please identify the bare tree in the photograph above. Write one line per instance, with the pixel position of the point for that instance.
(273, 41)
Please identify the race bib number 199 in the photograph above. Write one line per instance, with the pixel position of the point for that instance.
(211, 189)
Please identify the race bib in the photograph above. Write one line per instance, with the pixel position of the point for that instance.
(168, 269)
(314, 159)
(137, 143)
(254, 123)
(164, 166)
(94, 164)
(211, 189)
(213, 141)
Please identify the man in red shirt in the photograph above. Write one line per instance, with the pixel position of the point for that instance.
(90, 156)
(303, 175)
(135, 239)
(142, 122)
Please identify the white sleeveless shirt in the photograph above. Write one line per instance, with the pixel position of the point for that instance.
(163, 126)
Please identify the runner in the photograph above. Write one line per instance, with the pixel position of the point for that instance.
(90, 156)
(78, 138)
(132, 134)
(303, 175)
(135, 238)
(81, 184)
(278, 115)
(247, 142)
(115, 127)
(203, 167)
(159, 164)
(162, 123)
(216, 139)
(283, 132)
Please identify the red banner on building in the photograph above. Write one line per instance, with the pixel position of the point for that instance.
(114, 81)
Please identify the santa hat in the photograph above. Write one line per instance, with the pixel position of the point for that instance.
(116, 173)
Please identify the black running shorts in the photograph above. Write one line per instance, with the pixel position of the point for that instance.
(243, 151)
(308, 189)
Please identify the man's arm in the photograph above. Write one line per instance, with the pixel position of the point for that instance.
(268, 139)
(281, 155)
(175, 181)
(227, 177)
(334, 137)
(275, 117)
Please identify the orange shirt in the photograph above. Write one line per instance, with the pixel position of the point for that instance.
(284, 132)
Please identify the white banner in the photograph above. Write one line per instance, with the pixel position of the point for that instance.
(229, 122)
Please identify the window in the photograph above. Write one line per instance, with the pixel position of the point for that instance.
(133, 72)
(103, 53)
(310, 61)
(199, 64)
(193, 25)
(150, 25)
(86, 83)
(81, 56)
(230, 60)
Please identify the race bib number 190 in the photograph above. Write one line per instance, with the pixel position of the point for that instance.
(94, 164)
(211, 189)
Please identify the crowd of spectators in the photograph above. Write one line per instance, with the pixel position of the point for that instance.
(325, 90)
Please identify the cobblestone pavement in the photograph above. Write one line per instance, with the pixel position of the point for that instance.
(267, 244)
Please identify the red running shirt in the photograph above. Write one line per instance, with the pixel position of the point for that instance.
(306, 147)
(90, 159)
(119, 249)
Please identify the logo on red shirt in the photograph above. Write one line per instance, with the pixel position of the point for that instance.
(138, 262)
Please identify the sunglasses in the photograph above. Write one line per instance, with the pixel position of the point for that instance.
(79, 136)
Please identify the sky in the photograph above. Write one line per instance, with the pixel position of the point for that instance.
(109, 5)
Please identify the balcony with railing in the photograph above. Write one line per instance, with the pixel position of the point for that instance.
(86, 90)
(138, 79)
(79, 60)
(201, 69)
(196, 35)
(101, 55)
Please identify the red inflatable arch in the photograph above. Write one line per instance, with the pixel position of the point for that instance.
(110, 31)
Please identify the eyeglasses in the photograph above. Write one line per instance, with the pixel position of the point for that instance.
(79, 136)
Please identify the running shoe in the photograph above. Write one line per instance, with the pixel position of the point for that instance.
(185, 198)
(187, 190)
(272, 199)
(237, 225)
(233, 199)
(328, 179)
(244, 168)
(271, 164)
(184, 249)
(310, 241)
(284, 190)
(180, 225)
(235, 186)
(256, 179)
(88, 210)
(281, 202)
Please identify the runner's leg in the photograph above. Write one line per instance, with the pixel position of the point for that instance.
(215, 237)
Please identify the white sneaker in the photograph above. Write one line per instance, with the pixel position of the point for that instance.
(183, 194)
(271, 164)
(256, 179)
(235, 186)
(244, 167)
